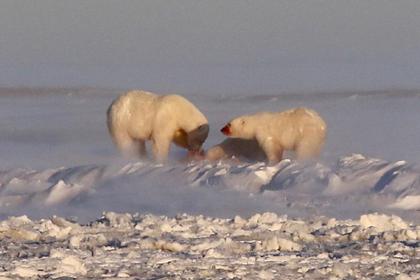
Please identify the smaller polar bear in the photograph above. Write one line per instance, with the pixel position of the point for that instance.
(235, 147)
(300, 129)
(138, 116)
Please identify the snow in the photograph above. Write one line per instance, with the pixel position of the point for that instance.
(354, 212)
(196, 247)
(382, 222)
(350, 187)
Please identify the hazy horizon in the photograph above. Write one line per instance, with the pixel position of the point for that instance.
(211, 46)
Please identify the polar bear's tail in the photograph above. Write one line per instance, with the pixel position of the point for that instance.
(110, 120)
(116, 115)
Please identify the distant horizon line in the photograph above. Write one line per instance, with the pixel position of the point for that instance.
(46, 90)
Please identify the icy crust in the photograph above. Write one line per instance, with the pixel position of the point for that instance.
(264, 246)
(373, 182)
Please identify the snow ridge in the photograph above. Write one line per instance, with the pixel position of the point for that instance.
(398, 183)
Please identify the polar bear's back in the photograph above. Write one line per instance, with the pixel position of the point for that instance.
(300, 124)
(303, 118)
(297, 118)
(137, 112)
(188, 116)
(132, 110)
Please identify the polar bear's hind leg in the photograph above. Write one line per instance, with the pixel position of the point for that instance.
(309, 147)
(126, 145)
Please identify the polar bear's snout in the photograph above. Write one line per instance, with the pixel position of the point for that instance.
(226, 130)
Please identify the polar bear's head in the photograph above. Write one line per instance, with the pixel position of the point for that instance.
(197, 137)
(180, 138)
(241, 127)
(192, 140)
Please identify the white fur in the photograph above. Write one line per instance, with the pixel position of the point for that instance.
(238, 148)
(299, 129)
(138, 116)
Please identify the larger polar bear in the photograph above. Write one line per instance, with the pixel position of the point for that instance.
(298, 129)
(138, 116)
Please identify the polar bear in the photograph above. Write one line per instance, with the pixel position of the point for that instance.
(299, 129)
(242, 149)
(138, 116)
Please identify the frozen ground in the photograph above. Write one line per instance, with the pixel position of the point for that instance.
(57, 159)
(265, 246)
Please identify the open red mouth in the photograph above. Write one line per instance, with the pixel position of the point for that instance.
(226, 130)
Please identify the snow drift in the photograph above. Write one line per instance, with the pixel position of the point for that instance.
(353, 185)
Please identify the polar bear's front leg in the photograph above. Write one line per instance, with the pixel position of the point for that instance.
(164, 128)
(161, 148)
(273, 151)
(142, 149)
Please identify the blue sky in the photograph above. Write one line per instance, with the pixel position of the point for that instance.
(211, 46)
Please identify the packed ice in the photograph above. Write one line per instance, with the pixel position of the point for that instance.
(262, 246)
